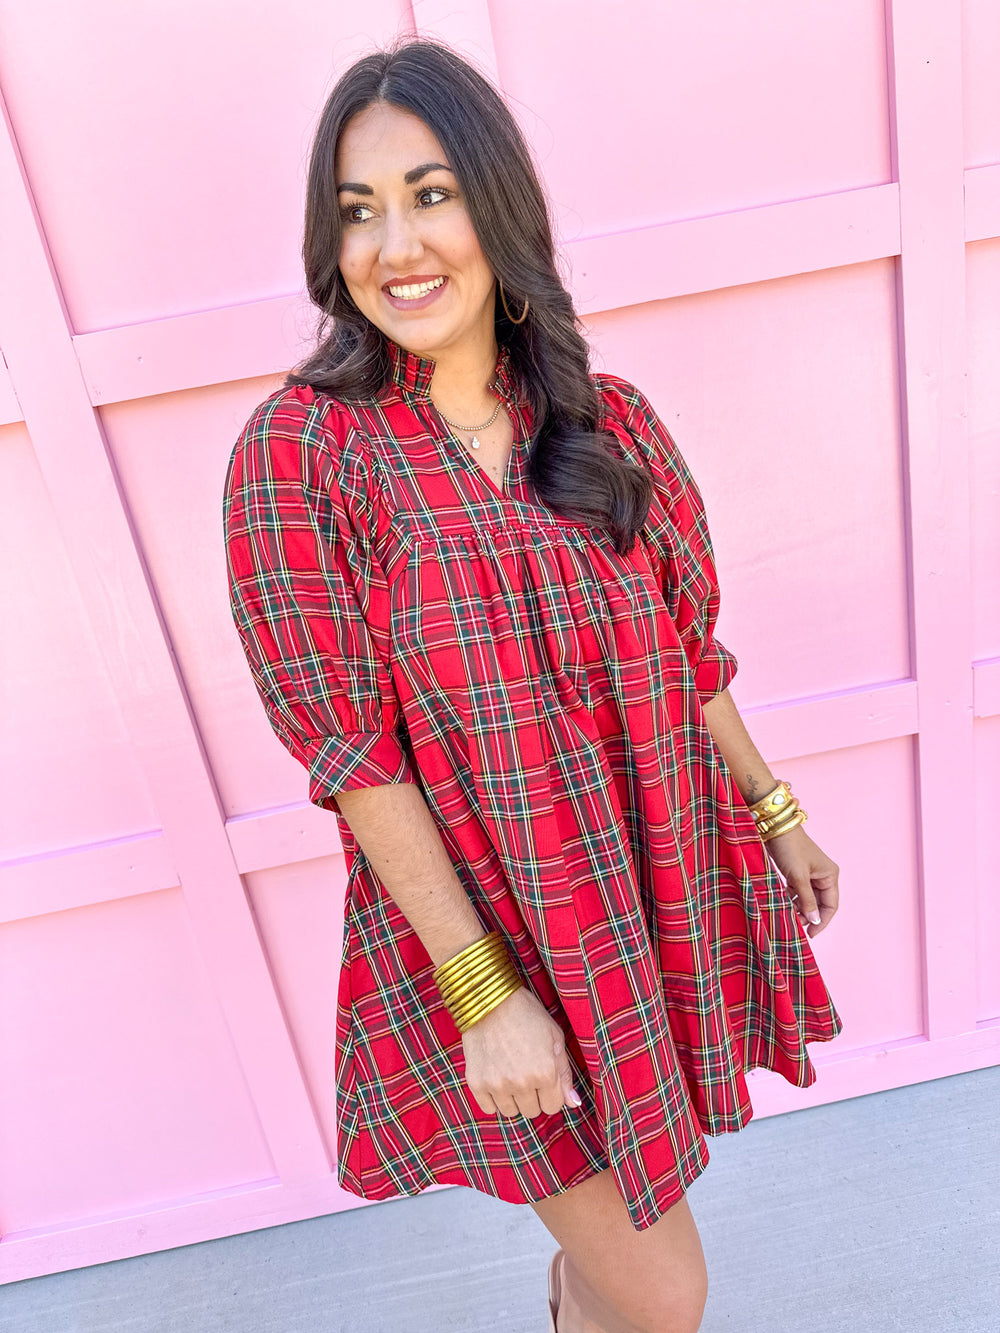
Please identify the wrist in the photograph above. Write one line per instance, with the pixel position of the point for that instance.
(754, 788)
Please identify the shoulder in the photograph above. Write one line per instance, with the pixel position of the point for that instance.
(302, 450)
(299, 414)
(624, 403)
(619, 395)
(631, 417)
(299, 432)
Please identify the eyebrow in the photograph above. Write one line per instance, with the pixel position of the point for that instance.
(413, 176)
(410, 178)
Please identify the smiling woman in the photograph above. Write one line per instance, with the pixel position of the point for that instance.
(419, 172)
(564, 943)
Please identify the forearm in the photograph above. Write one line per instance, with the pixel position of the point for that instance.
(750, 773)
(397, 833)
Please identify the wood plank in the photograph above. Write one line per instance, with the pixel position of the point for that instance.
(926, 89)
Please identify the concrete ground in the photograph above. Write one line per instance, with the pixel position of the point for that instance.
(869, 1216)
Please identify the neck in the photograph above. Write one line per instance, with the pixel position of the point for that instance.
(460, 384)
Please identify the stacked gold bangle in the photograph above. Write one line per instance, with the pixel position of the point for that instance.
(476, 980)
(777, 812)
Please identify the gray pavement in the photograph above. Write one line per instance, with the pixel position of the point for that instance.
(869, 1216)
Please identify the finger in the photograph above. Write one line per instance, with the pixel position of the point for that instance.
(527, 1103)
(803, 891)
(552, 1098)
(485, 1102)
(568, 1095)
(507, 1106)
(828, 897)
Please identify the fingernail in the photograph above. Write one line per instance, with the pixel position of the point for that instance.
(574, 1098)
(814, 918)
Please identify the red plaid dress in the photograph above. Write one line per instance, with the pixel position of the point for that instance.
(406, 620)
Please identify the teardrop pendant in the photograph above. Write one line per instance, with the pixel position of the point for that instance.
(475, 442)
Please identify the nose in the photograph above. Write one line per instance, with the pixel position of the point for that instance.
(401, 243)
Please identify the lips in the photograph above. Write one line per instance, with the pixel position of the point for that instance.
(414, 284)
(415, 291)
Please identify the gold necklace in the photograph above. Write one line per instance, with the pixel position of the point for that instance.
(472, 429)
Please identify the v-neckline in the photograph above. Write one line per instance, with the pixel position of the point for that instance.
(501, 492)
(412, 374)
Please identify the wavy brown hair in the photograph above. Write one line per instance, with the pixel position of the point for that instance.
(574, 467)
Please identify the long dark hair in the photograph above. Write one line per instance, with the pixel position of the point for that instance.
(573, 466)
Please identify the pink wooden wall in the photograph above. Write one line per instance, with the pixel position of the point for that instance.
(782, 220)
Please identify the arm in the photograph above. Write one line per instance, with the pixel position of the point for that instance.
(515, 1057)
(678, 525)
(397, 833)
(809, 873)
(750, 773)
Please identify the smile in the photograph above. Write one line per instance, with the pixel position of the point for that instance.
(414, 291)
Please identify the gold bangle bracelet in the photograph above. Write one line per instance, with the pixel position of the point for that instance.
(482, 992)
(465, 1021)
(474, 975)
(457, 990)
(763, 820)
(464, 1018)
(766, 825)
(477, 979)
(780, 813)
(780, 826)
(800, 818)
(774, 803)
(471, 953)
(483, 963)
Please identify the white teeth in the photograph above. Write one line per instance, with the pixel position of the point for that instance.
(412, 290)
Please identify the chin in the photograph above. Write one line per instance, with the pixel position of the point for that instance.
(422, 341)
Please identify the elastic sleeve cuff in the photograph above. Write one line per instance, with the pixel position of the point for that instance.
(362, 759)
(715, 669)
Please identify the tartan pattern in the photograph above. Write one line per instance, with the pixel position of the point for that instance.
(407, 620)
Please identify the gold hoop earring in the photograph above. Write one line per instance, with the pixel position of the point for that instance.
(503, 302)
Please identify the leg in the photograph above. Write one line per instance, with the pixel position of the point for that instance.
(617, 1279)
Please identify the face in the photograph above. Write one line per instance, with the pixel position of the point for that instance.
(409, 255)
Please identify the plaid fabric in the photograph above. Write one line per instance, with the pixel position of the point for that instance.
(406, 620)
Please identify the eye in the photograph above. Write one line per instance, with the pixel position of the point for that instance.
(350, 212)
(424, 195)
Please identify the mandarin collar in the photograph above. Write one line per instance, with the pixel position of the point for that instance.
(413, 373)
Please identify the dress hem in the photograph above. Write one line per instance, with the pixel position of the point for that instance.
(642, 1216)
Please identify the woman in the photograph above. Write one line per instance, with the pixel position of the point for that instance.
(476, 590)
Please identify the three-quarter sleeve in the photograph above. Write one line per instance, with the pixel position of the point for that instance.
(308, 596)
(677, 527)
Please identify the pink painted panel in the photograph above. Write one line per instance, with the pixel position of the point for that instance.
(300, 911)
(171, 452)
(986, 794)
(682, 110)
(981, 86)
(783, 397)
(983, 297)
(67, 772)
(121, 1086)
(871, 961)
(166, 148)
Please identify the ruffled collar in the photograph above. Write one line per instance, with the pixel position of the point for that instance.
(413, 373)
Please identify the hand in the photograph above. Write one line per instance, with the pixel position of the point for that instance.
(516, 1061)
(810, 875)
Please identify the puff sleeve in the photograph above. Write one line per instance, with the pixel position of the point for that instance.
(308, 596)
(677, 530)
